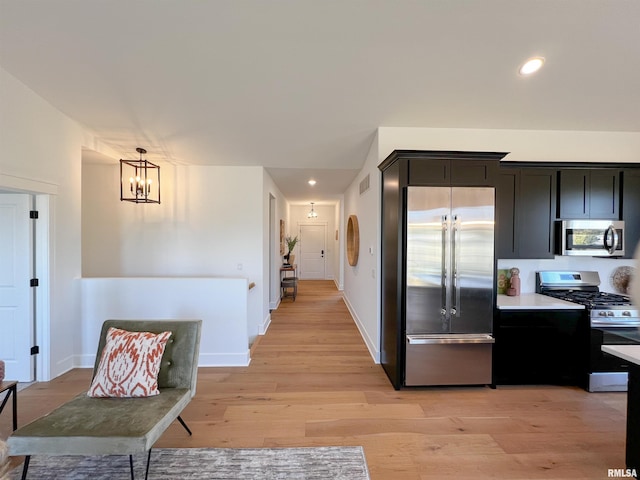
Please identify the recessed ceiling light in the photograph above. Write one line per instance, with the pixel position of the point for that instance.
(531, 66)
(312, 182)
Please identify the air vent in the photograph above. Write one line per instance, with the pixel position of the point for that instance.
(364, 184)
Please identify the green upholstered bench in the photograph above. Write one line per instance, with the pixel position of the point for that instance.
(119, 426)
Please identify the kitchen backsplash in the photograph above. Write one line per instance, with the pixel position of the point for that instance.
(606, 267)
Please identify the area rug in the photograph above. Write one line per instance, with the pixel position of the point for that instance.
(307, 463)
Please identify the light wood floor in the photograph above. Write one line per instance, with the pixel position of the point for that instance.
(312, 382)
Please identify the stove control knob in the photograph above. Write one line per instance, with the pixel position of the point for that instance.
(626, 313)
(602, 314)
(610, 314)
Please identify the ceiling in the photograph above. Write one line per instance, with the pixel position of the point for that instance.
(300, 86)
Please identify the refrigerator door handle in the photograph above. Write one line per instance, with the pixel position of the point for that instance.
(455, 237)
(450, 338)
(443, 275)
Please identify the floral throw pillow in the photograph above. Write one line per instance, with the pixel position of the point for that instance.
(129, 364)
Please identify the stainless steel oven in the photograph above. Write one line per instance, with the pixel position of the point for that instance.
(612, 318)
(607, 372)
(593, 238)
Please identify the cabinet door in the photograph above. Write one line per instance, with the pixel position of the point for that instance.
(428, 171)
(604, 194)
(506, 203)
(573, 198)
(589, 194)
(535, 213)
(631, 210)
(473, 173)
(444, 172)
(541, 347)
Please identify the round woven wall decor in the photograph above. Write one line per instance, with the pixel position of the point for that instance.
(353, 240)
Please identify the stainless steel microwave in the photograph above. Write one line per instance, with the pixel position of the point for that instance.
(593, 238)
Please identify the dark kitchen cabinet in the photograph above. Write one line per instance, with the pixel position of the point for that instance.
(631, 209)
(391, 341)
(507, 193)
(401, 169)
(525, 212)
(541, 347)
(447, 172)
(589, 193)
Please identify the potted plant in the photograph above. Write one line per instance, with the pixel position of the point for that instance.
(291, 244)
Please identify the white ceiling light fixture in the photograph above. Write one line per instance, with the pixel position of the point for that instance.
(531, 66)
(311, 182)
(312, 213)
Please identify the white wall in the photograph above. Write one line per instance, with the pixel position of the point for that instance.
(221, 304)
(271, 259)
(211, 222)
(361, 282)
(40, 148)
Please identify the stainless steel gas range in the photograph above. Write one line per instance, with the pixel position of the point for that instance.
(612, 318)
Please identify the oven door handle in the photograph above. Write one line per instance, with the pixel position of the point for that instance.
(611, 233)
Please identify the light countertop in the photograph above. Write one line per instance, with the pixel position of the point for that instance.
(631, 353)
(534, 301)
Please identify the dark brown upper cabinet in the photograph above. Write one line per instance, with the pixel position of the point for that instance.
(525, 212)
(589, 193)
(478, 170)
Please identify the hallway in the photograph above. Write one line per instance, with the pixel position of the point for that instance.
(312, 382)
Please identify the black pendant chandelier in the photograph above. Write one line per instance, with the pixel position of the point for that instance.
(139, 180)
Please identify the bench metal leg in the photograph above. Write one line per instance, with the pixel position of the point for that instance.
(25, 467)
(184, 424)
(146, 472)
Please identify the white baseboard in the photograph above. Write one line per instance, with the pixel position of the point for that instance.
(371, 345)
(265, 325)
(61, 367)
(225, 359)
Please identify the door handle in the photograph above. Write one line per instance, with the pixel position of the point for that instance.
(455, 294)
(322, 253)
(611, 247)
(443, 271)
(427, 339)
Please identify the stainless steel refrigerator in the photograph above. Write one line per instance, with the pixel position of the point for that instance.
(449, 285)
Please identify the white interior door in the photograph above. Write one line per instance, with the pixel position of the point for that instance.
(313, 252)
(16, 296)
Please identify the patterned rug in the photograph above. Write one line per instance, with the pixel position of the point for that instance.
(308, 463)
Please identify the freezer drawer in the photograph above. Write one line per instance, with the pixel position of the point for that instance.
(448, 359)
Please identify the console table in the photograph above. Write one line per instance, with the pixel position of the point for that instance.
(288, 281)
(11, 387)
